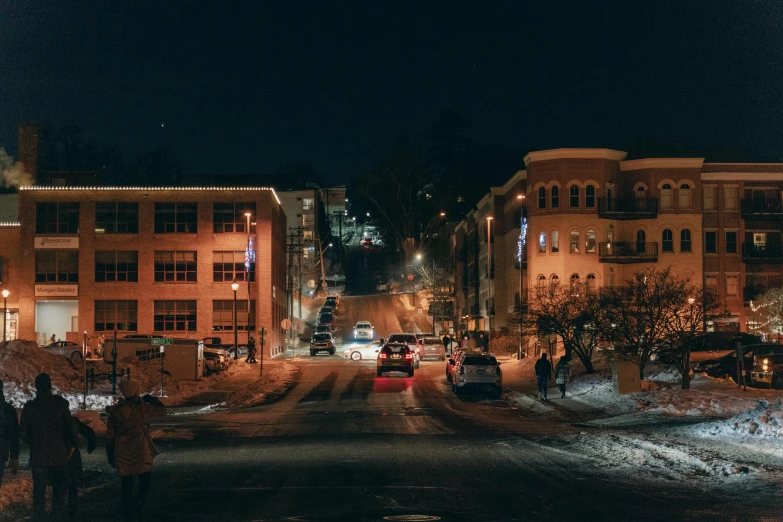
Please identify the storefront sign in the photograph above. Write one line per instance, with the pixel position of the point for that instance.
(56, 290)
(56, 242)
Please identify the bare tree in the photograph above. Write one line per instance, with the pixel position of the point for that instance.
(437, 281)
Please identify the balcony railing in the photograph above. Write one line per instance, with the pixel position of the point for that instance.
(762, 209)
(760, 254)
(627, 252)
(628, 208)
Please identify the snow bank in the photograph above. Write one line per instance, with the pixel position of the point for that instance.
(21, 361)
(763, 421)
(273, 381)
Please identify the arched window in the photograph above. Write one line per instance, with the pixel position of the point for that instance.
(574, 281)
(641, 238)
(590, 196)
(641, 192)
(541, 280)
(542, 243)
(667, 238)
(555, 241)
(574, 242)
(554, 279)
(666, 196)
(590, 282)
(541, 198)
(555, 196)
(573, 199)
(685, 196)
(590, 241)
(685, 240)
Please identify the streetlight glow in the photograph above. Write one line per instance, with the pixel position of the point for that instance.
(418, 256)
(442, 214)
(5, 293)
(520, 196)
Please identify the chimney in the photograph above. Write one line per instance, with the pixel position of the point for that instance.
(28, 148)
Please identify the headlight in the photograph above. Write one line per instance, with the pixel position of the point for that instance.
(765, 361)
(355, 332)
(764, 368)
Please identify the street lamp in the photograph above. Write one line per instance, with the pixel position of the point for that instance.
(5, 311)
(249, 256)
(489, 280)
(235, 287)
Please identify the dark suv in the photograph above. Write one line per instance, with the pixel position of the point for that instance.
(395, 357)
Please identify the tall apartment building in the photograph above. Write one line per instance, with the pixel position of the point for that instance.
(150, 260)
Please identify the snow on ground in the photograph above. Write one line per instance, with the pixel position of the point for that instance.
(764, 421)
(529, 403)
(273, 381)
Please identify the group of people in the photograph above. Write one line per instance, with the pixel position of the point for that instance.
(543, 371)
(467, 340)
(52, 435)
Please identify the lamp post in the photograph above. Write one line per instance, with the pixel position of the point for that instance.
(250, 257)
(522, 239)
(5, 311)
(489, 281)
(235, 287)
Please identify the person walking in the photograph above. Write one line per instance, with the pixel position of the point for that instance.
(9, 437)
(129, 446)
(48, 428)
(562, 373)
(543, 372)
(447, 343)
(251, 352)
(75, 465)
(483, 344)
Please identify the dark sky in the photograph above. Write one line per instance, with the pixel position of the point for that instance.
(246, 86)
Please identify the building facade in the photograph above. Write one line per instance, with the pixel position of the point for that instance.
(151, 261)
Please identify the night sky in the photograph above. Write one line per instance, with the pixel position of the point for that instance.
(247, 86)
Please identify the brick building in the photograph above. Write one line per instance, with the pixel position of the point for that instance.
(150, 260)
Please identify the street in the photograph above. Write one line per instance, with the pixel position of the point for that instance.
(342, 444)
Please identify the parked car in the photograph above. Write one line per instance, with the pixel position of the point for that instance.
(431, 346)
(767, 369)
(456, 355)
(216, 360)
(216, 342)
(65, 348)
(395, 357)
(322, 328)
(332, 301)
(326, 319)
(368, 351)
(410, 340)
(479, 372)
(363, 330)
(322, 342)
(326, 310)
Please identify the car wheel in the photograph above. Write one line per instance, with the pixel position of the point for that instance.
(76, 355)
(380, 372)
(410, 372)
(356, 356)
(232, 354)
(331, 352)
(312, 353)
(777, 382)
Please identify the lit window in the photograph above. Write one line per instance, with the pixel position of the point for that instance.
(574, 242)
(732, 285)
(555, 241)
(711, 284)
(542, 243)
(590, 242)
(307, 203)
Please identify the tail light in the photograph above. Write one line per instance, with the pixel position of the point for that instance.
(409, 355)
(462, 370)
(382, 356)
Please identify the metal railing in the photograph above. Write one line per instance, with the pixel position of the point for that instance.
(752, 253)
(627, 252)
(762, 209)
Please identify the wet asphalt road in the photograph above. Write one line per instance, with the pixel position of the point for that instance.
(342, 444)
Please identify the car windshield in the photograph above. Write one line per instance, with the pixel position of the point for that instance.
(326, 317)
(408, 339)
(395, 348)
(363, 325)
(480, 361)
(432, 340)
(322, 337)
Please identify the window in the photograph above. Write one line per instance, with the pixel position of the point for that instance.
(731, 242)
(732, 284)
(760, 241)
(230, 217)
(573, 200)
(641, 192)
(709, 198)
(56, 218)
(667, 241)
(641, 239)
(590, 196)
(175, 267)
(574, 281)
(53, 266)
(541, 198)
(555, 241)
(555, 196)
(116, 218)
(542, 243)
(710, 242)
(175, 218)
(307, 235)
(729, 198)
(111, 266)
(541, 280)
(308, 220)
(116, 315)
(554, 279)
(711, 284)
(174, 316)
(307, 204)
(590, 242)
(685, 240)
(590, 282)
(666, 196)
(223, 316)
(685, 196)
(573, 242)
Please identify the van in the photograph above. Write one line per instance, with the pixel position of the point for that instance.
(767, 367)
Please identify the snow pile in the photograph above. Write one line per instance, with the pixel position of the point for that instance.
(21, 361)
(273, 381)
(529, 403)
(764, 421)
(668, 375)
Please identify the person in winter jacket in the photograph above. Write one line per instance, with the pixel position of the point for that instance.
(251, 352)
(562, 373)
(129, 446)
(543, 372)
(48, 428)
(9, 437)
(75, 465)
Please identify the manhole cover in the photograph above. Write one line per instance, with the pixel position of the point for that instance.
(408, 518)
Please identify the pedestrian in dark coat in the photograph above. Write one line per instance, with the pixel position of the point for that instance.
(482, 343)
(251, 351)
(129, 446)
(447, 343)
(9, 437)
(48, 428)
(543, 373)
(75, 465)
(562, 373)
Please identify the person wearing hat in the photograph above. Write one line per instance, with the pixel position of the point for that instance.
(129, 446)
(48, 428)
(9, 436)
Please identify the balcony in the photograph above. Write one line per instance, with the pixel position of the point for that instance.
(762, 209)
(627, 252)
(761, 254)
(628, 208)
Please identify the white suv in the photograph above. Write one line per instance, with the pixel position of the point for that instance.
(364, 330)
(478, 372)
